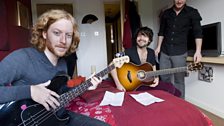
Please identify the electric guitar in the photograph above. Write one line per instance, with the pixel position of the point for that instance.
(29, 113)
(131, 76)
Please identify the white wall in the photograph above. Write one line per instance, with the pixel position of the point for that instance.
(206, 95)
(92, 48)
(149, 12)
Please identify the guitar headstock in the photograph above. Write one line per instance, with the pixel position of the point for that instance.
(195, 66)
(118, 62)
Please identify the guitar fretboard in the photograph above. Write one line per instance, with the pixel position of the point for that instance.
(78, 90)
(166, 71)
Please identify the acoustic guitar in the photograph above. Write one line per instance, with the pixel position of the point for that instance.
(131, 76)
(29, 113)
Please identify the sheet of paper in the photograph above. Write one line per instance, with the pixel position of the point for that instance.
(146, 98)
(114, 99)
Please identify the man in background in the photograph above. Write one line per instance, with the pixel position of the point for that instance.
(175, 24)
(141, 54)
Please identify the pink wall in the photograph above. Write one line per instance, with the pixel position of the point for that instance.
(17, 36)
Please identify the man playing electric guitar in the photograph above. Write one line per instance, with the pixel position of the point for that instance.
(141, 54)
(25, 73)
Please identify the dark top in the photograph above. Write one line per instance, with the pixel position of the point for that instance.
(134, 58)
(175, 29)
(22, 68)
(71, 63)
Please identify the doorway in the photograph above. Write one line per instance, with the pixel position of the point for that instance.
(113, 29)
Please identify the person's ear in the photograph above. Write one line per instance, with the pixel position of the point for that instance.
(44, 34)
(149, 43)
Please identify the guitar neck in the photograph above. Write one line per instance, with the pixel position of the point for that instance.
(78, 90)
(166, 71)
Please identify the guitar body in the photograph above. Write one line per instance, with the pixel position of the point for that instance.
(27, 112)
(128, 75)
(132, 76)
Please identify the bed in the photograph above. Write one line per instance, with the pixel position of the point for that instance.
(173, 111)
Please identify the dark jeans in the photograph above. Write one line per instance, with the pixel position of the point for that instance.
(82, 120)
(178, 79)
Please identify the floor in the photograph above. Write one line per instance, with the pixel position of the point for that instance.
(217, 121)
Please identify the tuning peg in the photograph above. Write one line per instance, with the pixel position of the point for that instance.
(120, 54)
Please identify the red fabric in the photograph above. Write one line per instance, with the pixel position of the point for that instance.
(75, 81)
(3, 27)
(127, 37)
(173, 111)
(93, 110)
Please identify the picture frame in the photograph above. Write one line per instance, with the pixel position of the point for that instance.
(41, 8)
(23, 15)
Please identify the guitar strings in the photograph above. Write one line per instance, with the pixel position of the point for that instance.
(43, 115)
(46, 114)
(39, 117)
(30, 119)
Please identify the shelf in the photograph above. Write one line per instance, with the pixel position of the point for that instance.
(213, 60)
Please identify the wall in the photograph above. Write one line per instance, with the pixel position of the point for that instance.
(92, 48)
(18, 37)
(211, 12)
(149, 13)
(147, 20)
(206, 95)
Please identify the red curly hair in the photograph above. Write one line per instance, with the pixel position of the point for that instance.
(44, 22)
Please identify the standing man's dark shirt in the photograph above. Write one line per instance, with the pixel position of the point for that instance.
(175, 29)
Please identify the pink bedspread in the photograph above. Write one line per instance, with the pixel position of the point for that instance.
(172, 112)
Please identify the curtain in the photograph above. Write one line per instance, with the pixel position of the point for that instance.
(4, 45)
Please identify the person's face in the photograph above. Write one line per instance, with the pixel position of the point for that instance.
(179, 4)
(59, 37)
(142, 41)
